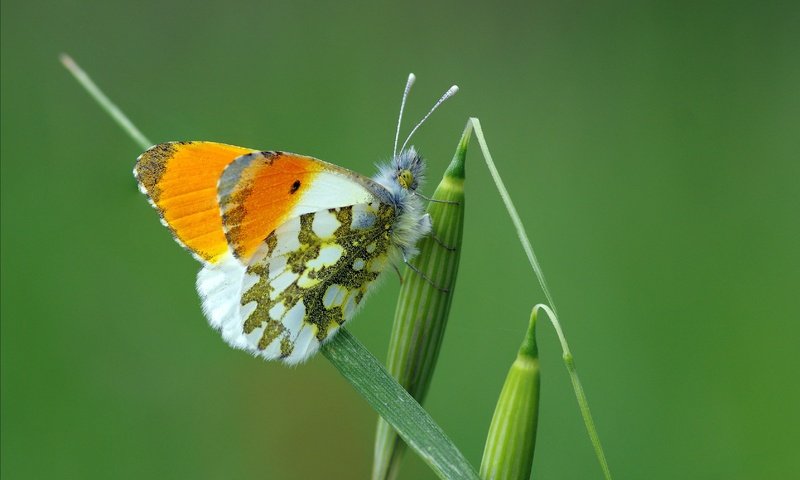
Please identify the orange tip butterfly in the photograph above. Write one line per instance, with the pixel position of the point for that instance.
(290, 245)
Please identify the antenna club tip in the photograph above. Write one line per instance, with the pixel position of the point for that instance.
(411, 77)
(66, 59)
(453, 90)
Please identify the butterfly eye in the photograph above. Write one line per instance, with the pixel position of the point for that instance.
(405, 179)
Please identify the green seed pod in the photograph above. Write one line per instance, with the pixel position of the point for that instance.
(424, 304)
(508, 453)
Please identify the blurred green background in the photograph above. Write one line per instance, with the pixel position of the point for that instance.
(651, 147)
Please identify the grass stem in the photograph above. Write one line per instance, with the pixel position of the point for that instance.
(106, 104)
(551, 311)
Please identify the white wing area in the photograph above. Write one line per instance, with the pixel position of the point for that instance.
(332, 189)
(309, 278)
(221, 286)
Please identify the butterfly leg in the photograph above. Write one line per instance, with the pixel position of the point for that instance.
(397, 270)
(433, 200)
(426, 278)
(423, 276)
(441, 242)
(426, 226)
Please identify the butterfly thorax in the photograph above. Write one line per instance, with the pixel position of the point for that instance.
(401, 177)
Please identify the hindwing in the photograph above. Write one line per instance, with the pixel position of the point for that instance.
(310, 277)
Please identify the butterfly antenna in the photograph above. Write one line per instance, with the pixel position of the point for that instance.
(449, 93)
(411, 78)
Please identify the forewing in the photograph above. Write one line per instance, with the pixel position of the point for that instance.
(180, 178)
(308, 278)
(262, 190)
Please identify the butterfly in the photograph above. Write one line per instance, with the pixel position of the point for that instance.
(290, 245)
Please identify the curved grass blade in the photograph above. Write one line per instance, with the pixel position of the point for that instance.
(122, 120)
(577, 387)
(397, 407)
(552, 314)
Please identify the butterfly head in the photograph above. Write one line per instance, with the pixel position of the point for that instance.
(408, 169)
(403, 175)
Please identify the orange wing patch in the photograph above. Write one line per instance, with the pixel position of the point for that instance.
(181, 180)
(257, 193)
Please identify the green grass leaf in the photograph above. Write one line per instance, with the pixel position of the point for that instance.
(397, 407)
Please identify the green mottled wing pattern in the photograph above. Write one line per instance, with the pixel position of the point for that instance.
(307, 279)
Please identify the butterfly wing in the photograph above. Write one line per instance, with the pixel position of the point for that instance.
(307, 241)
(261, 190)
(180, 179)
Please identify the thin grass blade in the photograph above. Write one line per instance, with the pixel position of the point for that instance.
(397, 407)
(552, 313)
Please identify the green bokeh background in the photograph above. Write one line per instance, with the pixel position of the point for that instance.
(652, 149)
